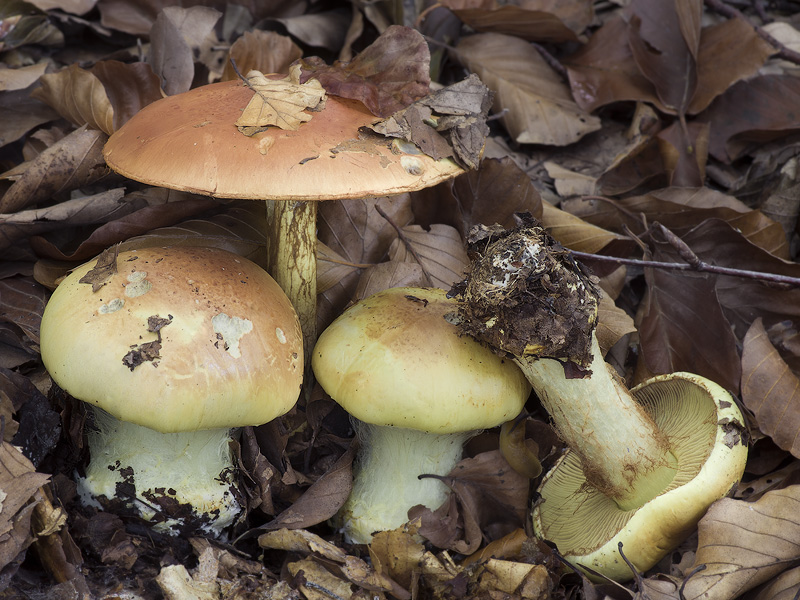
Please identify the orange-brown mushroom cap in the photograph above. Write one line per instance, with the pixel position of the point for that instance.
(189, 142)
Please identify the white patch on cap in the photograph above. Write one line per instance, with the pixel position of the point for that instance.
(231, 329)
(137, 284)
(281, 336)
(112, 306)
(412, 165)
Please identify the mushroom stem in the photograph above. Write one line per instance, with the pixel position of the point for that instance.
(623, 453)
(192, 467)
(292, 260)
(386, 481)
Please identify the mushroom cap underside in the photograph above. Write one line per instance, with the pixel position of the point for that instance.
(394, 359)
(190, 142)
(178, 339)
(706, 432)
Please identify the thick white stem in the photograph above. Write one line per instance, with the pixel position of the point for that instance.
(386, 482)
(192, 467)
(623, 453)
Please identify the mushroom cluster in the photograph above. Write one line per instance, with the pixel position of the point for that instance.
(416, 391)
(174, 348)
(190, 142)
(643, 465)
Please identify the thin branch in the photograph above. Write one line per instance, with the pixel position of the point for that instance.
(700, 266)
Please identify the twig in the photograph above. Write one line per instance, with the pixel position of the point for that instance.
(733, 13)
(407, 242)
(699, 266)
(552, 61)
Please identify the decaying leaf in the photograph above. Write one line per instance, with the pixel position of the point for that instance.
(770, 390)
(743, 544)
(540, 107)
(104, 268)
(440, 252)
(386, 76)
(279, 102)
(450, 122)
(78, 96)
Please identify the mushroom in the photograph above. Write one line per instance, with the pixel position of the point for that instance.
(643, 465)
(190, 142)
(174, 349)
(416, 391)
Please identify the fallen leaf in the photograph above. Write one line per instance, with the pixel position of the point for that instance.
(78, 96)
(72, 162)
(386, 76)
(279, 102)
(743, 544)
(770, 390)
(540, 108)
(129, 87)
(440, 252)
(264, 51)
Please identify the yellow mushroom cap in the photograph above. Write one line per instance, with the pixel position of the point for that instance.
(394, 359)
(230, 349)
(706, 432)
(190, 142)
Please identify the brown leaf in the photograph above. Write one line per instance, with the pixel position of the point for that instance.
(441, 252)
(174, 37)
(604, 71)
(137, 223)
(490, 495)
(389, 274)
(322, 500)
(577, 234)
(683, 328)
(387, 76)
(70, 163)
(541, 109)
(770, 390)
(129, 87)
(729, 52)
(356, 232)
(78, 96)
(664, 37)
(771, 102)
(264, 51)
(280, 102)
(22, 303)
(545, 22)
(743, 544)
(488, 195)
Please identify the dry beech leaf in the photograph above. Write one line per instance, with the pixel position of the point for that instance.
(770, 390)
(386, 76)
(317, 583)
(129, 87)
(177, 33)
(322, 500)
(389, 274)
(577, 234)
(613, 323)
(279, 102)
(70, 163)
(744, 544)
(264, 51)
(441, 253)
(79, 97)
(22, 303)
(18, 483)
(302, 541)
(332, 267)
(540, 106)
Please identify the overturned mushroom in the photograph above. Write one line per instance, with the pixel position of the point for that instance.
(175, 348)
(643, 465)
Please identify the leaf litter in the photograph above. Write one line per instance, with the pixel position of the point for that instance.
(619, 122)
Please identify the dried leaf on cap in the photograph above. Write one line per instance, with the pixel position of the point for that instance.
(279, 102)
